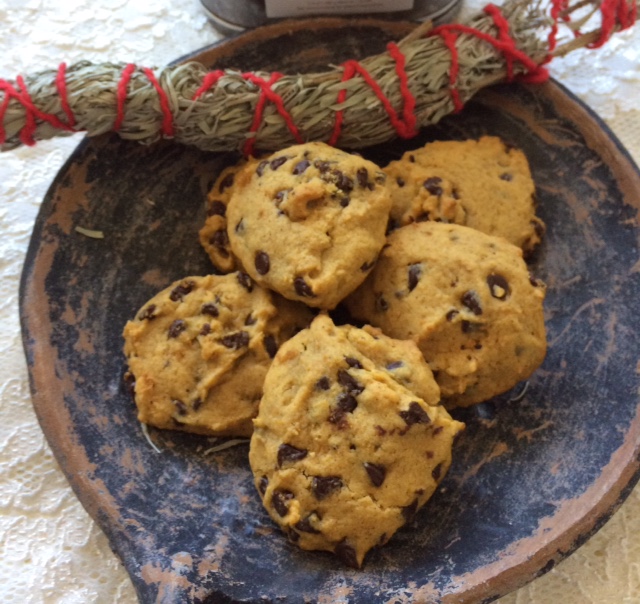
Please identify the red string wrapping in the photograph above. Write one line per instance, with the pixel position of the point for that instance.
(32, 113)
(615, 13)
(61, 87)
(405, 126)
(267, 93)
(121, 99)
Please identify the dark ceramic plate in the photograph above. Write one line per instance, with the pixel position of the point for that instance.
(531, 480)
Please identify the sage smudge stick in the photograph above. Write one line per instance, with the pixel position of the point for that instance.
(419, 80)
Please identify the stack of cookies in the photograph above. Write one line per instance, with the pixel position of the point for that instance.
(350, 433)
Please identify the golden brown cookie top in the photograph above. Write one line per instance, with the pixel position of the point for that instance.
(483, 184)
(200, 348)
(343, 452)
(309, 222)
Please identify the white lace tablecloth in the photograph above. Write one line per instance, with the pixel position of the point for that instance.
(50, 550)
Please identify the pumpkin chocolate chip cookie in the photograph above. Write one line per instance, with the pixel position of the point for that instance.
(309, 222)
(213, 234)
(483, 184)
(350, 440)
(467, 300)
(199, 350)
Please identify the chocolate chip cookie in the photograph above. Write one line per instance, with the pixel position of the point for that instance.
(466, 298)
(199, 350)
(213, 234)
(482, 184)
(309, 222)
(350, 440)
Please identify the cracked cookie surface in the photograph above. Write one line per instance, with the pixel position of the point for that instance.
(309, 222)
(199, 350)
(350, 440)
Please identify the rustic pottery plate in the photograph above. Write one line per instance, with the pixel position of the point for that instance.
(531, 480)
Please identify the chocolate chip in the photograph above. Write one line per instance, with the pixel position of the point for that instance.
(181, 408)
(347, 554)
(205, 330)
(343, 182)
(400, 181)
(415, 272)
(289, 453)
(377, 473)
(236, 340)
(262, 485)
(349, 383)
(277, 162)
(498, 286)
(197, 403)
(535, 282)
(432, 185)
(322, 165)
(293, 536)
(451, 315)
(239, 228)
(412, 158)
(506, 177)
(415, 414)
(346, 402)
(345, 201)
(437, 472)
(217, 208)
(250, 320)
(280, 195)
(219, 239)
(362, 176)
(180, 291)
(367, 266)
(280, 501)
(303, 288)
(395, 365)
(381, 304)
(409, 511)
(323, 486)
(305, 525)
(324, 383)
(210, 309)
(355, 363)
(270, 345)
(148, 313)
(301, 166)
(338, 418)
(176, 328)
(261, 166)
(227, 182)
(129, 382)
(245, 281)
(262, 263)
(471, 300)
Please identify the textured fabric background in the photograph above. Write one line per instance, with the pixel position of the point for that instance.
(50, 550)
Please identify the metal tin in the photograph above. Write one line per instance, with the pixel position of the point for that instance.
(234, 16)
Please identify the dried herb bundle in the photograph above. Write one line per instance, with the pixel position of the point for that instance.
(234, 113)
